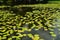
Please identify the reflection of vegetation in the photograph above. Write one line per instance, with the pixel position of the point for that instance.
(13, 22)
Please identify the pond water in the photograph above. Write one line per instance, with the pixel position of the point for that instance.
(45, 34)
(56, 30)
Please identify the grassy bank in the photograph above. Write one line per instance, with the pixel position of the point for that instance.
(35, 5)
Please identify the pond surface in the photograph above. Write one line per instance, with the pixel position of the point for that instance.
(56, 30)
(45, 34)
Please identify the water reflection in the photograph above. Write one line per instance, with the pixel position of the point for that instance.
(58, 37)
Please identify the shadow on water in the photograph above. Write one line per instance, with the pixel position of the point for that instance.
(18, 11)
(21, 11)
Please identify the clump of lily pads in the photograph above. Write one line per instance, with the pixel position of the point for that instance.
(12, 25)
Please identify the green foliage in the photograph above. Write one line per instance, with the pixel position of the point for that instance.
(12, 24)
